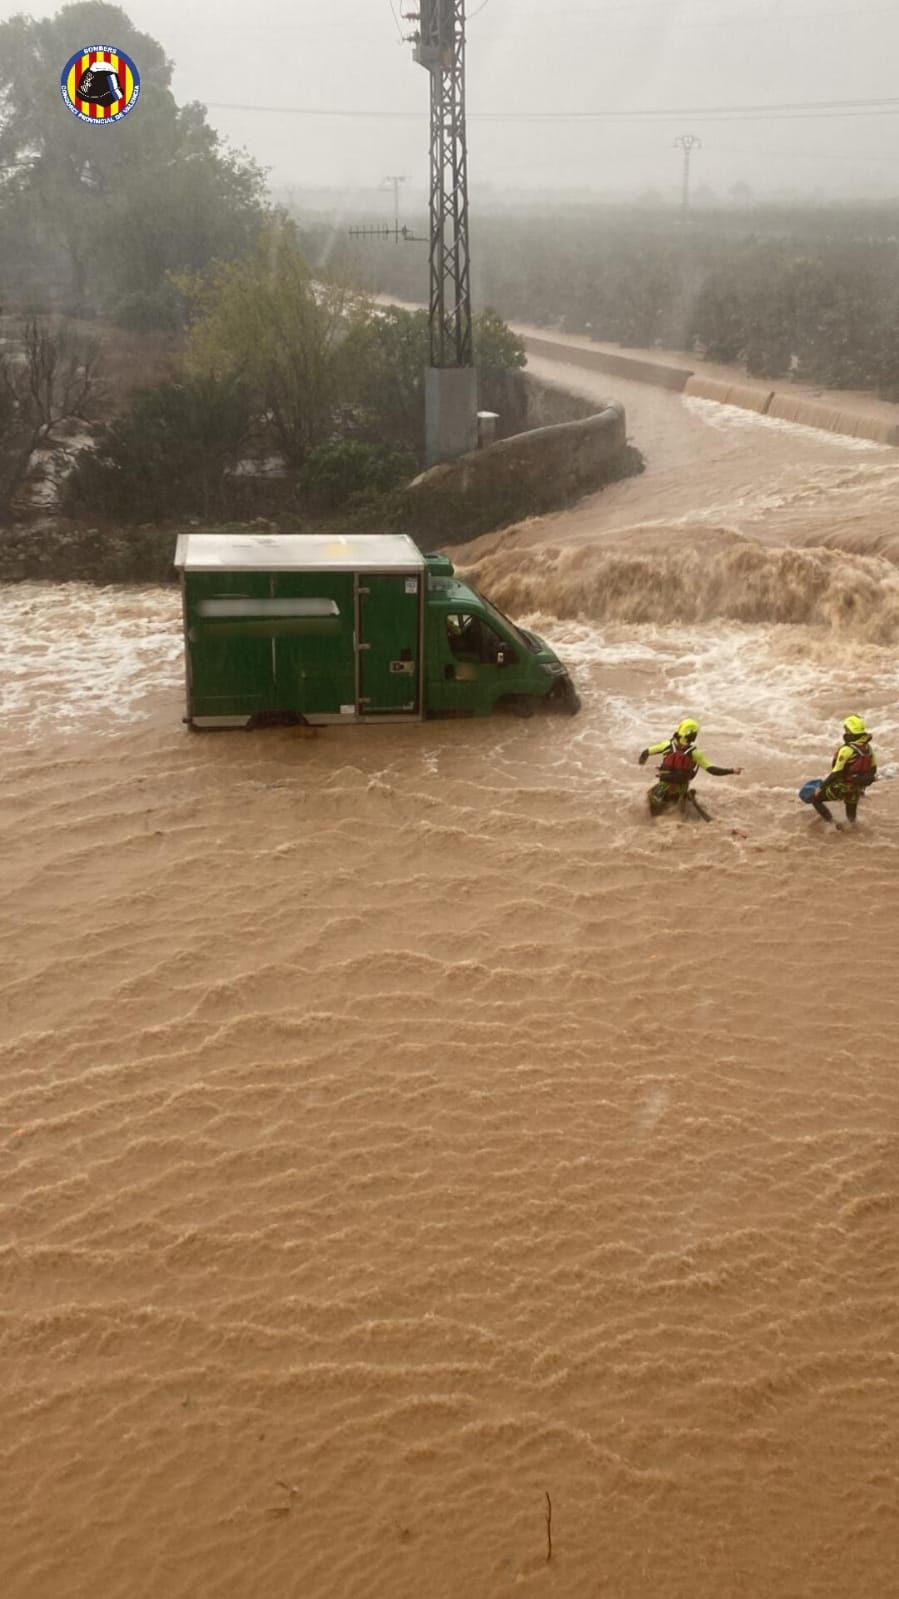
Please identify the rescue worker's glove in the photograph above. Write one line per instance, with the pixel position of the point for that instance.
(644, 757)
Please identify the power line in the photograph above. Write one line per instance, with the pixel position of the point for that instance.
(885, 106)
(825, 109)
(654, 6)
(396, 21)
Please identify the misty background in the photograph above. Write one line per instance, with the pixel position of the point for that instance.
(183, 304)
(539, 57)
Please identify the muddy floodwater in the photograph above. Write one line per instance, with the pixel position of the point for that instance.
(416, 1163)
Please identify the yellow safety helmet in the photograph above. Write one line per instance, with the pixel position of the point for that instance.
(688, 729)
(855, 726)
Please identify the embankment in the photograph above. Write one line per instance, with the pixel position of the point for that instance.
(522, 476)
(532, 478)
(854, 415)
(640, 368)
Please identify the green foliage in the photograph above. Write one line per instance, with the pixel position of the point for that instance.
(496, 347)
(317, 359)
(500, 356)
(266, 323)
(719, 320)
(169, 455)
(337, 472)
(87, 218)
(149, 310)
(808, 293)
(387, 352)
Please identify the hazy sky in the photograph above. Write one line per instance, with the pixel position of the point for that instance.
(540, 55)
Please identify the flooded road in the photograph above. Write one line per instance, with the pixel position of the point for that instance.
(398, 1127)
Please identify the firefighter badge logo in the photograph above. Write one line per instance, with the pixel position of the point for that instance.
(100, 84)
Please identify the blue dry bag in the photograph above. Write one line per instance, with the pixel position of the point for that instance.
(810, 789)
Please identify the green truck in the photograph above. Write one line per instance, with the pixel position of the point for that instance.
(330, 630)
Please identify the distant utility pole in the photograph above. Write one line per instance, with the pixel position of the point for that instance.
(393, 181)
(451, 380)
(688, 142)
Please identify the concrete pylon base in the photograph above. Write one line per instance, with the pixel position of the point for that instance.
(451, 412)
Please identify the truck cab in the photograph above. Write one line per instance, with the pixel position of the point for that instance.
(477, 660)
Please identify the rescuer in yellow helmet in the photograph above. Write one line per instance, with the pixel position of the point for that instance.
(680, 762)
(853, 769)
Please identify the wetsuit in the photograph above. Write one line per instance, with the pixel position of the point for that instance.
(680, 763)
(853, 770)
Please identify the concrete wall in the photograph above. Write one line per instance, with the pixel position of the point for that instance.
(521, 476)
(748, 396)
(851, 417)
(638, 369)
(451, 411)
(833, 418)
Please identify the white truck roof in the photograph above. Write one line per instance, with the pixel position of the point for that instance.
(297, 552)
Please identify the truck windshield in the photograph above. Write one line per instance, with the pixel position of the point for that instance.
(527, 639)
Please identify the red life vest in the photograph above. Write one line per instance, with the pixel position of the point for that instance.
(678, 767)
(859, 772)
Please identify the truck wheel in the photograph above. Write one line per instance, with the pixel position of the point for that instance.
(566, 698)
(520, 705)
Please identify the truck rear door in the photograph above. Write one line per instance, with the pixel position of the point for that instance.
(389, 644)
(231, 671)
(313, 649)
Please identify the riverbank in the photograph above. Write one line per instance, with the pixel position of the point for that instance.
(854, 414)
(849, 412)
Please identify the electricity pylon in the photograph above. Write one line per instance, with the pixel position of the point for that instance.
(451, 384)
(393, 182)
(688, 142)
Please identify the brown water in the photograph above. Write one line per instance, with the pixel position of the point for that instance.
(398, 1128)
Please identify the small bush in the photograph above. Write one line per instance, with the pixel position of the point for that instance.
(169, 455)
(157, 311)
(337, 472)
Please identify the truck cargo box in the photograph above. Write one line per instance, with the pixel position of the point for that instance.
(327, 628)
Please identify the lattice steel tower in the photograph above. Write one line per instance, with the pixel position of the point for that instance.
(440, 47)
(451, 400)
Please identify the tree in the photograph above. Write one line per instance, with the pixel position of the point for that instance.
(108, 213)
(497, 349)
(169, 455)
(348, 468)
(266, 323)
(386, 354)
(385, 358)
(718, 321)
(51, 379)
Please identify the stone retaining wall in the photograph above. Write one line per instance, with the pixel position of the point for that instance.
(548, 404)
(525, 475)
